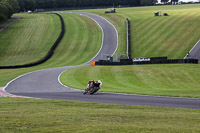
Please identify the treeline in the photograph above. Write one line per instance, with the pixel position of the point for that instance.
(8, 8)
(42, 4)
(167, 1)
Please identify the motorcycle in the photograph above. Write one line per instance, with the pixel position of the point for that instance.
(93, 87)
(91, 90)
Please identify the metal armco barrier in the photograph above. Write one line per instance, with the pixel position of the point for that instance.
(128, 39)
(172, 61)
(154, 60)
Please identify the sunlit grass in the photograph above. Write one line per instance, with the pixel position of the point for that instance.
(33, 115)
(162, 80)
(151, 36)
(29, 39)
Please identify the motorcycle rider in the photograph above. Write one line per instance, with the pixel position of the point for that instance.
(94, 86)
(97, 86)
(99, 83)
(89, 86)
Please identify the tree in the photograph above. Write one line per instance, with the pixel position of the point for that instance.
(165, 1)
(14, 5)
(8, 8)
(29, 5)
(41, 4)
(154, 2)
(173, 2)
(148, 2)
(21, 4)
(3, 11)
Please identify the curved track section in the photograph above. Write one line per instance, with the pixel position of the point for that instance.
(45, 83)
(110, 36)
(194, 52)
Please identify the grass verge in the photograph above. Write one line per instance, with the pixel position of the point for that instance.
(33, 115)
(162, 80)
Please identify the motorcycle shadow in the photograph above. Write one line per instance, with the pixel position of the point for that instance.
(96, 94)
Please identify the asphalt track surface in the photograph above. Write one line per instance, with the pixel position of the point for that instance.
(194, 53)
(45, 83)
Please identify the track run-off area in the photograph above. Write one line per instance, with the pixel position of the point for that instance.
(45, 84)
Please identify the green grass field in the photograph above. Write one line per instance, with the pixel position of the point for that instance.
(161, 80)
(33, 115)
(81, 42)
(29, 39)
(171, 36)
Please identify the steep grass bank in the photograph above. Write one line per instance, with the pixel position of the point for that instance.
(151, 36)
(29, 39)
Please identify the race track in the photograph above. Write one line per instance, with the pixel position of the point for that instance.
(194, 53)
(45, 83)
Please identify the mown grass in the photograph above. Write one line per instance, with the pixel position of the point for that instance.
(81, 42)
(33, 115)
(171, 36)
(29, 39)
(161, 80)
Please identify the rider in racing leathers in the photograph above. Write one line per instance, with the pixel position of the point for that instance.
(96, 85)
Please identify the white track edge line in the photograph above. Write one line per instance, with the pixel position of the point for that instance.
(102, 34)
(115, 31)
(193, 48)
(4, 88)
(128, 94)
(63, 84)
(101, 39)
(113, 54)
(98, 51)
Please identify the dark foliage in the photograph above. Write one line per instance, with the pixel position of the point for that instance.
(8, 8)
(44, 4)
